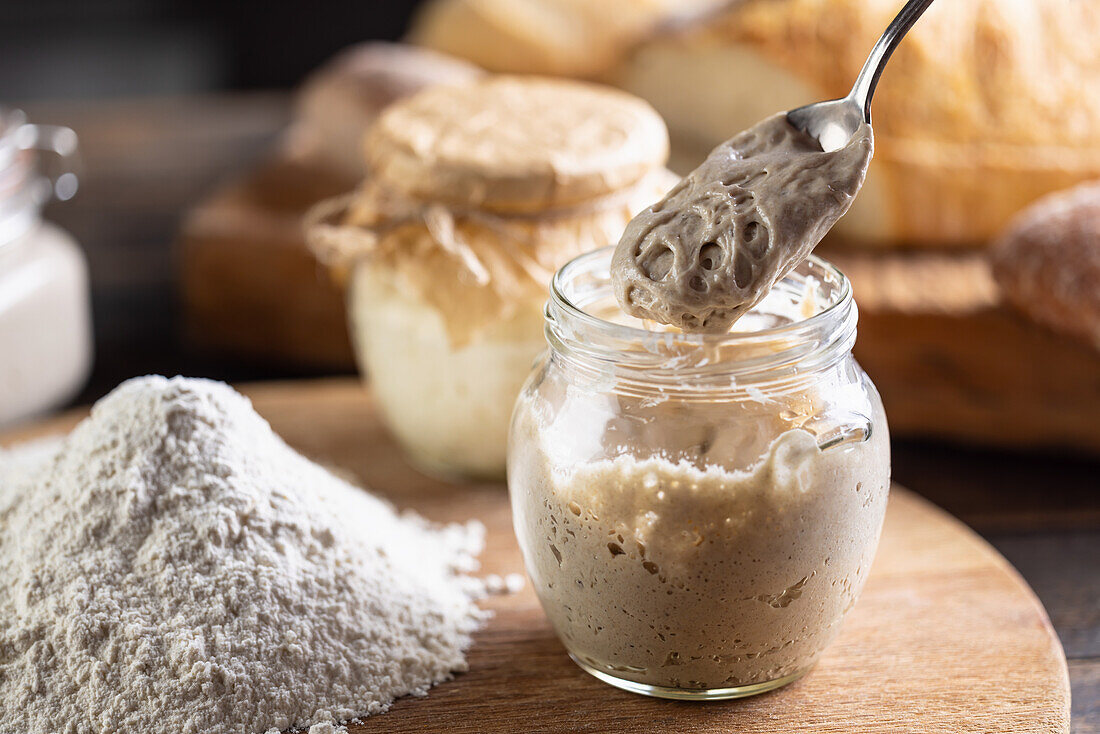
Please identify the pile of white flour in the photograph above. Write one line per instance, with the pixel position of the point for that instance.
(173, 566)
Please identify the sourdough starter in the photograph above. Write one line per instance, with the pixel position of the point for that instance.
(672, 575)
(710, 250)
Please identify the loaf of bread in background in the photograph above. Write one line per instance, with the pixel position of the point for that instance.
(1047, 263)
(339, 101)
(575, 38)
(984, 107)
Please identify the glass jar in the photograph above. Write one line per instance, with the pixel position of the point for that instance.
(698, 513)
(477, 194)
(45, 312)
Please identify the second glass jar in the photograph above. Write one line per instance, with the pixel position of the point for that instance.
(477, 194)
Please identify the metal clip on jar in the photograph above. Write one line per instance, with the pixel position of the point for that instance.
(698, 512)
(45, 316)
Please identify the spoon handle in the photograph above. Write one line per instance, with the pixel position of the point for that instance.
(867, 80)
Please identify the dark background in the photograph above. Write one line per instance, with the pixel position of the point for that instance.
(111, 48)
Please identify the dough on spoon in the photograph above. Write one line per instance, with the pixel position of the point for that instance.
(713, 247)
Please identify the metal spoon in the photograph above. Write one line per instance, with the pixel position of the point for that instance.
(833, 123)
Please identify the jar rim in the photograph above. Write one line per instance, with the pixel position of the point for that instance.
(795, 346)
(558, 296)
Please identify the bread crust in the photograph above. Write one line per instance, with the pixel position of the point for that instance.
(970, 71)
(573, 38)
(986, 106)
(1047, 263)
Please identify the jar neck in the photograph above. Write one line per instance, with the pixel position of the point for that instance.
(805, 327)
(24, 189)
(21, 192)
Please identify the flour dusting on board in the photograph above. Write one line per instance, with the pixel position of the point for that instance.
(172, 565)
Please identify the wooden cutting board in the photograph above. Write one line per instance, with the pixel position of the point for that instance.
(946, 638)
(250, 287)
(953, 361)
(950, 359)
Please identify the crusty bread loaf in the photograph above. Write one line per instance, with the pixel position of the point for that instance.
(340, 100)
(1023, 72)
(577, 38)
(985, 106)
(1047, 263)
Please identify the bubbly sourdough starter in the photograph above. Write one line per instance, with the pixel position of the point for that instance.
(710, 250)
(670, 575)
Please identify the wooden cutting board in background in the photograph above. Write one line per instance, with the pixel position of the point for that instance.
(250, 286)
(950, 360)
(946, 637)
(953, 361)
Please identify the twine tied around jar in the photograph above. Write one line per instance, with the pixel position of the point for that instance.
(340, 244)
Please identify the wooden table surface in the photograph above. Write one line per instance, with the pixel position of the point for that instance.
(146, 161)
(937, 599)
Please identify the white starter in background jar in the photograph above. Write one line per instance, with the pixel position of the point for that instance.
(45, 312)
